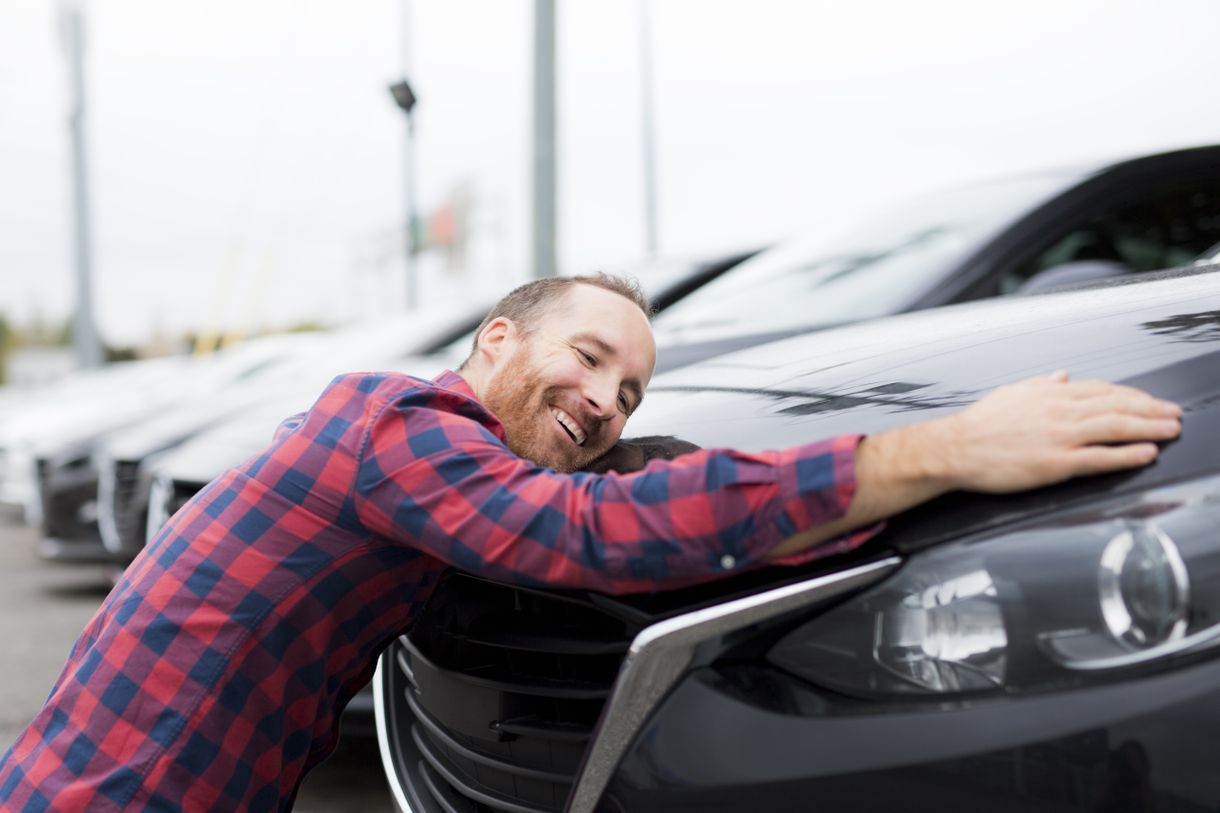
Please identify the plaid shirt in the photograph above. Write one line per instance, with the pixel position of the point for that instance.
(213, 675)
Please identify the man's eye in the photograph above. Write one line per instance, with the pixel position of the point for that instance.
(622, 402)
(587, 358)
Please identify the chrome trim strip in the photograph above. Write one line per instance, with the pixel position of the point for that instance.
(107, 523)
(1206, 638)
(383, 739)
(661, 654)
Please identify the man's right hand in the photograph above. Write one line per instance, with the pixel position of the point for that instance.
(1021, 436)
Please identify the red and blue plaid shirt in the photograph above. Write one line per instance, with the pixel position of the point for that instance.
(213, 676)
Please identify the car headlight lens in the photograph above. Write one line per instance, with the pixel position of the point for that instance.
(1111, 587)
(1143, 588)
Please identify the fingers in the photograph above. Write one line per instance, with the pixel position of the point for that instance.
(1097, 388)
(1117, 427)
(1128, 401)
(1103, 459)
(1084, 390)
(1095, 395)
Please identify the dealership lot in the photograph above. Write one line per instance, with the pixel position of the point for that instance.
(62, 598)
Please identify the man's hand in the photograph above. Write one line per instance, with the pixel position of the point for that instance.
(1046, 430)
(1025, 435)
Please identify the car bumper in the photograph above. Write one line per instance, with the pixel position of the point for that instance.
(713, 746)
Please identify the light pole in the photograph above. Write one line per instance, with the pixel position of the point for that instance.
(404, 97)
(648, 123)
(543, 142)
(85, 340)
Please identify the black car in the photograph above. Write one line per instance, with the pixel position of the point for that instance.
(1052, 650)
(989, 238)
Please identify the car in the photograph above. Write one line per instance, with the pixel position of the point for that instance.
(985, 239)
(27, 418)
(62, 438)
(1057, 649)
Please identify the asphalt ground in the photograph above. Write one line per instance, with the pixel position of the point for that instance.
(44, 606)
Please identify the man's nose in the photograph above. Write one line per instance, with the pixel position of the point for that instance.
(600, 393)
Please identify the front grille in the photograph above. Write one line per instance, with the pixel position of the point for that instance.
(181, 495)
(68, 495)
(494, 695)
(129, 504)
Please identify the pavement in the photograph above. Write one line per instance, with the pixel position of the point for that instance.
(44, 606)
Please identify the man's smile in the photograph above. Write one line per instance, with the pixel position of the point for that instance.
(569, 425)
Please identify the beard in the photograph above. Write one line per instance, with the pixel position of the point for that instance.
(522, 402)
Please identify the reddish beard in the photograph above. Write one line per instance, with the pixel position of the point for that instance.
(518, 397)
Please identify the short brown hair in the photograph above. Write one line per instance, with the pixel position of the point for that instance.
(527, 303)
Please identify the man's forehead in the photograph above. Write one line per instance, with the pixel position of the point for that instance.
(609, 322)
(584, 306)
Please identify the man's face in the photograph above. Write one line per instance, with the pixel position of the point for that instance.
(565, 390)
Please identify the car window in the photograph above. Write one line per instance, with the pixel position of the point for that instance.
(655, 275)
(1164, 229)
(874, 270)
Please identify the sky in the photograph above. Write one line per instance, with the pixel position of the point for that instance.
(245, 160)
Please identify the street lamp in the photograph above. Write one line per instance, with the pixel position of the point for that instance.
(404, 97)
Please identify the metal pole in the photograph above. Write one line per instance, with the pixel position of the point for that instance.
(648, 123)
(408, 164)
(543, 143)
(84, 334)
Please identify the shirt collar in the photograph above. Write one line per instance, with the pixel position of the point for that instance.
(452, 381)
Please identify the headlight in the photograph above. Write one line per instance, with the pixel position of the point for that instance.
(1068, 599)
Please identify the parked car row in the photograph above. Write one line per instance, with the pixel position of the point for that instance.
(948, 624)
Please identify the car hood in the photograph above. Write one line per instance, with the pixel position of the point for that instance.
(228, 442)
(871, 377)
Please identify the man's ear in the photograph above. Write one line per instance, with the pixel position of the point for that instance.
(496, 337)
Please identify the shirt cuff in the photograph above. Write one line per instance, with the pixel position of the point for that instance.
(823, 483)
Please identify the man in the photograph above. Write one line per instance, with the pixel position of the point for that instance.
(213, 675)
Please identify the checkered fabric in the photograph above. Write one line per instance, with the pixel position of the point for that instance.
(213, 676)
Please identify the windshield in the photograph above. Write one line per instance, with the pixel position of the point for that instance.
(874, 270)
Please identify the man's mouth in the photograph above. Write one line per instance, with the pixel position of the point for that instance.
(569, 425)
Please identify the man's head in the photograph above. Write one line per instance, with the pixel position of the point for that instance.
(563, 362)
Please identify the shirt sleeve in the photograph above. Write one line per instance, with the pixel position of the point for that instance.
(442, 482)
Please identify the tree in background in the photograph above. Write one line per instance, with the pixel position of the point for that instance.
(6, 346)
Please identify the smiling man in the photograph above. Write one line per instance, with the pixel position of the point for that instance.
(580, 353)
(213, 675)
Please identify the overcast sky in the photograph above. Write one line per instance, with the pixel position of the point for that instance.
(245, 158)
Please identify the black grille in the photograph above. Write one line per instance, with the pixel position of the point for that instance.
(494, 695)
(129, 504)
(66, 490)
(181, 495)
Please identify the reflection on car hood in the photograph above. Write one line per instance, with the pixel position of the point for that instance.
(1161, 333)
